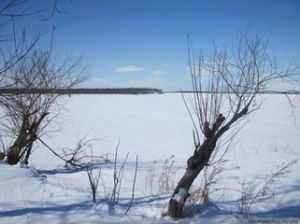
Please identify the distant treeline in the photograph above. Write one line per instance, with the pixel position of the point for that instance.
(261, 92)
(112, 91)
(82, 91)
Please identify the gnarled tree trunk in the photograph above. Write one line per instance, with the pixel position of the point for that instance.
(22, 146)
(194, 166)
(198, 161)
(14, 152)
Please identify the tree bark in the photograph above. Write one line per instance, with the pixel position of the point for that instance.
(195, 165)
(14, 152)
(22, 146)
(200, 159)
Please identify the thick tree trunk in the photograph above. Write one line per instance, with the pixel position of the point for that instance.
(195, 165)
(180, 195)
(22, 147)
(199, 160)
(14, 153)
(2, 155)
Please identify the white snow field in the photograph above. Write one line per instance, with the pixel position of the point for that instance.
(154, 127)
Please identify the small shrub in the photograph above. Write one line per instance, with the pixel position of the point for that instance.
(249, 197)
(150, 178)
(166, 178)
(94, 181)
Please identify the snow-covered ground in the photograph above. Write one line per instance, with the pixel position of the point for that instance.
(154, 127)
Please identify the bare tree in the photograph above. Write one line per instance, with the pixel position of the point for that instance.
(225, 88)
(13, 47)
(23, 67)
(26, 111)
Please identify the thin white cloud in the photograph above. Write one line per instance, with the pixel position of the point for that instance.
(157, 72)
(128, 69)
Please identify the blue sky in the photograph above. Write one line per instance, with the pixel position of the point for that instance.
(143, 43)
